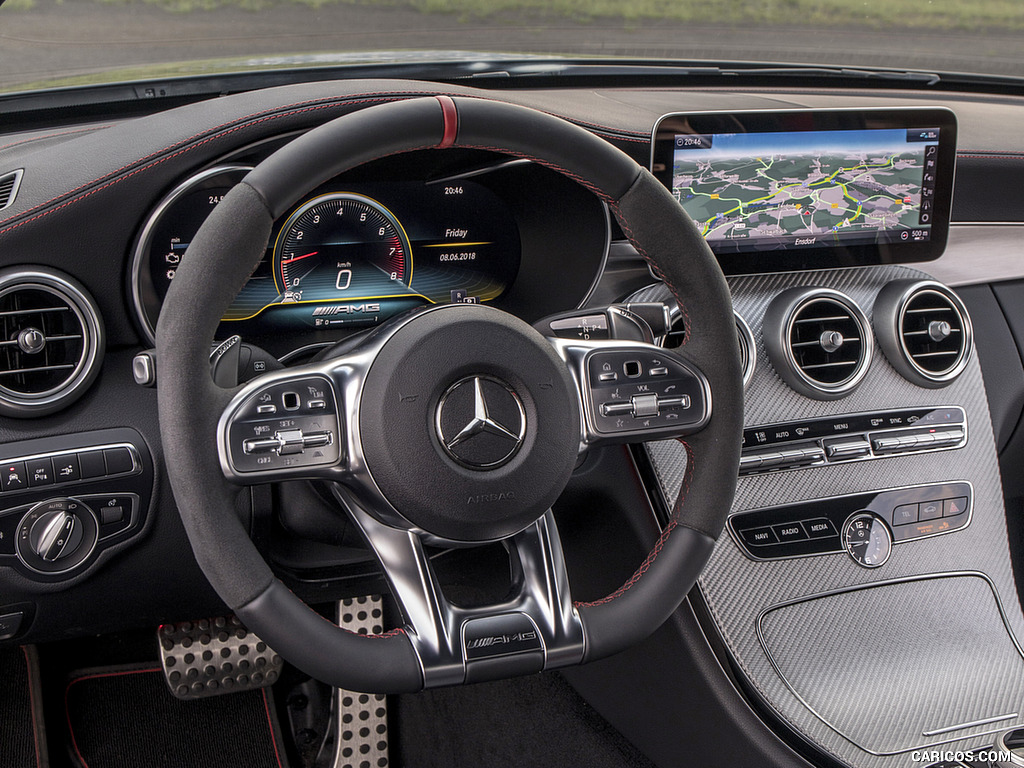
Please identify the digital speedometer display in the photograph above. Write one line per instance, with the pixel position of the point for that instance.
(342, 245)
(347, 255)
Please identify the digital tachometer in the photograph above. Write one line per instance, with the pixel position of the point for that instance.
(342, 247)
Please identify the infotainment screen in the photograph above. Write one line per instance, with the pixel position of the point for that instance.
(788, 190)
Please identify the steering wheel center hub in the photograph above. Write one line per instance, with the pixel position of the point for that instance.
(469, 423)
(481, 422)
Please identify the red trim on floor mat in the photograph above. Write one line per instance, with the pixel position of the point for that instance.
(270, 724)
(67, 710)
(32, 707)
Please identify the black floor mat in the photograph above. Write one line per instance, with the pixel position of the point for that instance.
(537, 721)
(17, 746)
(127, 717)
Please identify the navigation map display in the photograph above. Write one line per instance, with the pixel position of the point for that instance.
(844, 181)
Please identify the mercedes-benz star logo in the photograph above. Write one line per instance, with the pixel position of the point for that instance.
(481, 422)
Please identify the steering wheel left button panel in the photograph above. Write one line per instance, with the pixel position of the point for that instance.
(285, 425)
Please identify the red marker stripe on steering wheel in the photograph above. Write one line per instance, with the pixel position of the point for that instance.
(451, 121)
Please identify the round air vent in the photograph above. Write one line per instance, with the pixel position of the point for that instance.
(51, 341)
(924, 330)
(748, 350)
(819, 341)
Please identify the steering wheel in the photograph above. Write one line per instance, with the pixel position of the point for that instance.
(454, 425)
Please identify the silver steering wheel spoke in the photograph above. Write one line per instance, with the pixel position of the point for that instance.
(534, 629)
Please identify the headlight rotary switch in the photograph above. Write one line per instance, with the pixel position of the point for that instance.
(57, 535)
(54, 533)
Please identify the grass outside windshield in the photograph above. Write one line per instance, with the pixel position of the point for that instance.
(45, 43)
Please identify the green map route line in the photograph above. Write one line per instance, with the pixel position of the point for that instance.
(741, 205)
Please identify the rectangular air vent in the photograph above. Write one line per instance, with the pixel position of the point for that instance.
(9, 184)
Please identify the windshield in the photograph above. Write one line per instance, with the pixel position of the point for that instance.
(47, 43)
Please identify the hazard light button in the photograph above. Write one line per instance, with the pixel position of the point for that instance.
(952, 507)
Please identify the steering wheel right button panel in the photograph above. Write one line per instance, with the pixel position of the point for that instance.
(646, 393)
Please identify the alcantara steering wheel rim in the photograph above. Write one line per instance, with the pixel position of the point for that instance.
(198, 419)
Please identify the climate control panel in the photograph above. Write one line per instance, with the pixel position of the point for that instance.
(852, 437)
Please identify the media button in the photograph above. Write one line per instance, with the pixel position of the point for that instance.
(820, 528)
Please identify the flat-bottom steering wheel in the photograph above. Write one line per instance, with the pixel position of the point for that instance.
(454, 424)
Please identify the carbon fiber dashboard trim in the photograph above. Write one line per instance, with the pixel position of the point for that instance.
(736, 590)
(852, 629)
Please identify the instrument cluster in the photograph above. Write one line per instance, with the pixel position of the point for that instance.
(350, 254)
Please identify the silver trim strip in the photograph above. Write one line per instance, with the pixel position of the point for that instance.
(479, 171)
(903, 580)
(973, 724)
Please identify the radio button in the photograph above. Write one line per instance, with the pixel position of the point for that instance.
(789, 532)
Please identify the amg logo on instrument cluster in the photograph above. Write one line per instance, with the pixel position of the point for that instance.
(346, 309)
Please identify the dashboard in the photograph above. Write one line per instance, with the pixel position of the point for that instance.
(870, 507)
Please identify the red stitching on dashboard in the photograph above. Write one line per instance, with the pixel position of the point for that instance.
(213, 134)
(660, 543)
(983, 155)
(217, 132)
(52, 135)
(675, 292)
(155, 163)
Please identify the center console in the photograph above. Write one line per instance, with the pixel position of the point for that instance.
(884, 539)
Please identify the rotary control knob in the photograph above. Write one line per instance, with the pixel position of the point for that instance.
(57, 535)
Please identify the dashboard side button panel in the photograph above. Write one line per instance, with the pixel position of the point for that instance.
(811, 527)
